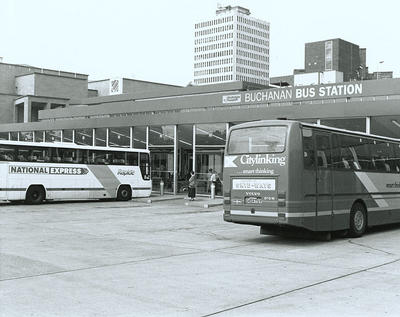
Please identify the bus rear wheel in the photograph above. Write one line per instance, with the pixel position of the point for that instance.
(35, 195)
(358, 220)
(124, 193)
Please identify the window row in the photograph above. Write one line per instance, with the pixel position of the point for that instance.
(65, 155)
(213, 46)
(213, 22)
(214, 79)
(247, 62)
(249, 71)
(214, 38)
(260, 81)
(253, 31)
(253, 23)
(252, 39)
(251, 47)
(213, 55)
(253, 55)
(218, 70)
(350, 153)
(214, 30)
(217, 62)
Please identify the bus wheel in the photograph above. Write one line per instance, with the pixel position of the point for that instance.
(124, 193)
(358, 220)
(35, 195)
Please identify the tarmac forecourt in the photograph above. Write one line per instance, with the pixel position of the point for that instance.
(173, 257)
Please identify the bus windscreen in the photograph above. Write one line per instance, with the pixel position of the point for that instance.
(269, 139)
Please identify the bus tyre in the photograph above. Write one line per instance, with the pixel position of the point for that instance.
(35, 195)
(124, 193)
(358, 220)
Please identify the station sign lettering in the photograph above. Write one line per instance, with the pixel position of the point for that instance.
(296, 93)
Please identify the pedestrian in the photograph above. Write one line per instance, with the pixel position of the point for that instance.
(192, 186)
(210, 171)
(213, 180)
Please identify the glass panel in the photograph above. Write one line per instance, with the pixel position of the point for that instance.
(308, 149)
(211, 134)
(139, 137)
(84, 136)
(210, 145)
(3, 135)
(133, 159)
(363, 155)
(386, 126)
(381, 152)
(323, 151)
(14, 136)
(38, 136)
(185, 155)
(53, 136)
(7, 153)
(257, 140)
(33, 154)
(162, 163)
(26, 136)
(118, 158)
(356, 124)
(161, 135)
(67, 136)
(208, 162)
(119, 137)
(101, 135)
(396, 158)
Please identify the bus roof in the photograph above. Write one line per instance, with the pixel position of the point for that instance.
(311, 125)
(71, 146)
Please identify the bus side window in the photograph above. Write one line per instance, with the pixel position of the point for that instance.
(323, 150)
(7, 153)
(308, 149)
(362, 152)
(347, 159)
(118, 158)
(22, 154)
(380, 153)
(397, 157)
(133, 158)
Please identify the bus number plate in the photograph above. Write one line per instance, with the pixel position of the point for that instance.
(252, 200)
(253, 184)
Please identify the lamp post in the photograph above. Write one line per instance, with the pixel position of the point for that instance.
(377, 73)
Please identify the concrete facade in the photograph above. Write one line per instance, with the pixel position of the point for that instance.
(25, 90)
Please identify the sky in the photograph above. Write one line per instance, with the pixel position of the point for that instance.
(153, 40)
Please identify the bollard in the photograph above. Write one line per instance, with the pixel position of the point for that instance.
(212, 191)
(162, 188)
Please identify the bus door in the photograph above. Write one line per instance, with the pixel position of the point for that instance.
(324, 194)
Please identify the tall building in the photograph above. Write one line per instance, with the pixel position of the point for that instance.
(336, 55)
(233, 46)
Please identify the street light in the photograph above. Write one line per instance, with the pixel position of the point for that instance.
(377, 73)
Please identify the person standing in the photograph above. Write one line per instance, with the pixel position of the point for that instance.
(210, 172)
(213, 181)
(192, 186)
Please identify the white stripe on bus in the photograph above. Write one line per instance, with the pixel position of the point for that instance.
(369, 185)
(256, 213)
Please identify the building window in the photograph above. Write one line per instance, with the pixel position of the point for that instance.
(328, 55)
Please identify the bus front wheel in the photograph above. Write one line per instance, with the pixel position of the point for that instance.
(358, 220)
(35, 195)
(124, 193)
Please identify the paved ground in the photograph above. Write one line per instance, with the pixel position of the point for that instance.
(171, 259)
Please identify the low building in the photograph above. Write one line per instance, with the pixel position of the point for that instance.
(186, 127)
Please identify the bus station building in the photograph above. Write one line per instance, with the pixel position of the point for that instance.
(185, 128)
